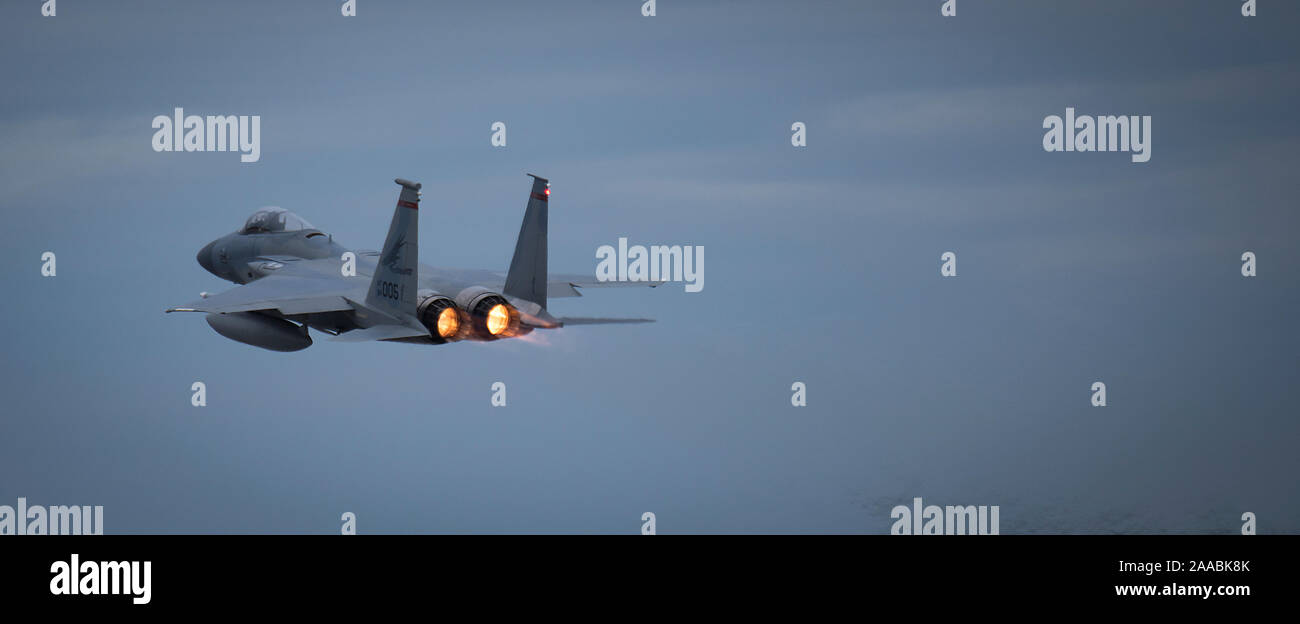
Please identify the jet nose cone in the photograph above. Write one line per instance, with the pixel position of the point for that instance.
(205, 257)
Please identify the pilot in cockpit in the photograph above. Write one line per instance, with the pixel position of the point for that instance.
(274, 219)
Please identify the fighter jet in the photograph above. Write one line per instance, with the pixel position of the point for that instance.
(295, 277)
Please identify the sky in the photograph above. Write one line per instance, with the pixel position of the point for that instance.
(924, 135)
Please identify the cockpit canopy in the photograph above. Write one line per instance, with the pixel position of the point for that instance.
(272, 219)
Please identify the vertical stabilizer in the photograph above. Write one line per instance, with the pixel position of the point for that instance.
(527, 276)
(393, 287)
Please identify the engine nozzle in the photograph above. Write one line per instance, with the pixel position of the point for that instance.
(492, 317)
(440, 316)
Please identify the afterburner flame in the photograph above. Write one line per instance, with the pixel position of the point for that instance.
(448, 322)
(498, 319)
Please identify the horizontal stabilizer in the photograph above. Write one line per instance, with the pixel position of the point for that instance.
(579, 320)
(568, 285)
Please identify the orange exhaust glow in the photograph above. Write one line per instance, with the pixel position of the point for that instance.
(498, 319)
(448, 323)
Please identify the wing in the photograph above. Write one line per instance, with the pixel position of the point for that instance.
(381, 332)
(291, 290)
(284, 294)
(308, 287)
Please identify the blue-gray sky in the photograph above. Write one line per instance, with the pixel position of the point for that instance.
(822, 265)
